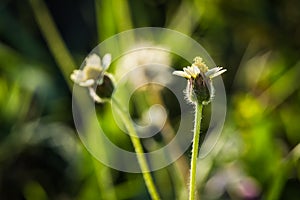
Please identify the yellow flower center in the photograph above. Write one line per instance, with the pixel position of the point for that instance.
(92, 72)
(198, 61)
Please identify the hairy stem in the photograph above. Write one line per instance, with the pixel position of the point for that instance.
(198, 117)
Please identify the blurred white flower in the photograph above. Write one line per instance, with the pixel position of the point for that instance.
(142, 59)
(92, 74)
(93, 70)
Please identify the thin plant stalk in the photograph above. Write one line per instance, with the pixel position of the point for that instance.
(199, 91)
(53, 39)
(195, 150)
(139, 151)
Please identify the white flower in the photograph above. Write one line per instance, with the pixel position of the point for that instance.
(194, 71)
(199, 78)
(92, 74)
(139, 59)
(93, 70)
(214, 72)
(188, 72)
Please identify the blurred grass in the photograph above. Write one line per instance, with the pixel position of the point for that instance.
(41, 157)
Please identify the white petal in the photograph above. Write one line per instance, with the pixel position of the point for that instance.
(87, 83)
(196, 69)
(106, 60)
(185, 69)
(77, 76)
(94, 95)
(192, 71)
(218, 73)
(182, 74)
(213, 71)
(93, 60)
(188, 71)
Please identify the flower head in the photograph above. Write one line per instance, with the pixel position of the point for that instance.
(93, 70)
(94, 74)
(200, 87)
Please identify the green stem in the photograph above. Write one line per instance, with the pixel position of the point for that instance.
(139, 151)
(198, 117)
(53, 38)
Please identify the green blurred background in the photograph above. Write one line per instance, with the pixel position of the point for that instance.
(41, 42)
